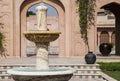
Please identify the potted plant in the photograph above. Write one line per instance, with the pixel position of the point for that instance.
(86, 15)
(105, 48)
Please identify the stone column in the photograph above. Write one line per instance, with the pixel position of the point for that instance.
(98, 41)
(98, 33)
(110, 36)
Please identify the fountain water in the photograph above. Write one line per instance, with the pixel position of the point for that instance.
(41, 72)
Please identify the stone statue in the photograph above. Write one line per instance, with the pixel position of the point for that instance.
(41, 12)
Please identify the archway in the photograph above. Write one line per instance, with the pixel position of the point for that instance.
(104, 37)
(23, 10)
(115, 9)
(52, 25)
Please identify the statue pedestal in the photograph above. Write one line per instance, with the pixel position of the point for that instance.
(42, 56)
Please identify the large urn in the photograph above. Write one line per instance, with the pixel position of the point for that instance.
(105, 49)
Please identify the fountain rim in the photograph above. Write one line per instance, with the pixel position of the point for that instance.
(42, 32)
(67, 71)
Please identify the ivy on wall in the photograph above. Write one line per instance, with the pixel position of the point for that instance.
(86, 15)
(1, 40)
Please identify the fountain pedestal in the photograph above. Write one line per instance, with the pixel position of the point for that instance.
(42, 56)
(42, 71)
(42, 40)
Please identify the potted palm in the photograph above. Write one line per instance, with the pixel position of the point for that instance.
(86, 15)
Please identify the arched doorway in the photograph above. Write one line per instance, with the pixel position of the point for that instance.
(104, 37)
(52, 25)
(115, 9)
(23, 10)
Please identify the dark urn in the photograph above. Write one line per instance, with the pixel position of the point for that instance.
(90, 58)
(105, 49)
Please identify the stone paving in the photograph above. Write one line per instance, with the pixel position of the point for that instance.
(52, 60)
(58, 60)
(7, 80)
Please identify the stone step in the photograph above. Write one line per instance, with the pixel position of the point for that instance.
(85, 78)
(5, 76)
(82, 70)
(89, 69)
(86, 74)
(7, 80)
(77, 69)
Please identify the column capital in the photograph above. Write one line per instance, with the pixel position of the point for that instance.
(98, 33)
(110, 33)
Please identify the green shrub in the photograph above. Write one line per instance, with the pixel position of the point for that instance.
(111, 66)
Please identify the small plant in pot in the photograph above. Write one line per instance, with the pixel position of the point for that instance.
(105, 48)
(86, 15)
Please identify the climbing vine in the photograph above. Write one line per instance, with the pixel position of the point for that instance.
(86, 15)
(1, 40)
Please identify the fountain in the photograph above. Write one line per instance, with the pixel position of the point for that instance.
(41, 72)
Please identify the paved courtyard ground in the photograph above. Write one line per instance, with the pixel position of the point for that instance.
(52, 60)
(57, 60)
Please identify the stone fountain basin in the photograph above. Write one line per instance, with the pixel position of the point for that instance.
(32, 74)
(41, 36)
